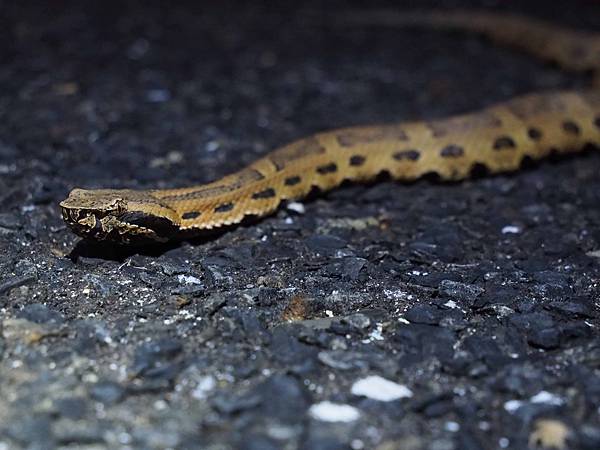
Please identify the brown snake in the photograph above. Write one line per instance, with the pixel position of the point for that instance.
(498, 138)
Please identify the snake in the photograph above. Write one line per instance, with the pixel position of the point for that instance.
(497, 138)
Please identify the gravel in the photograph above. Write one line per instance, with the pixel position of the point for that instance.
(420, 316)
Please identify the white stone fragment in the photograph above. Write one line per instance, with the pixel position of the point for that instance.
(205, 385)
(542, 397)
(333, 412)
(356, 444)
(512, 405)
(212, 146)
(378, 388)
(547, 398)
(511, 229)
(188, 279)
(297, 207)
(451, 426)
(376, 334)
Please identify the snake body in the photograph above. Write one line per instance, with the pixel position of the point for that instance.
(497, 138)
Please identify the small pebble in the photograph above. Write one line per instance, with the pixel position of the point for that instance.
(378, 388)
(511, 229)
(204, 386)
(296, 207)
(334, 412)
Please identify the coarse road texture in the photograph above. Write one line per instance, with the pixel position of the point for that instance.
(389, 316)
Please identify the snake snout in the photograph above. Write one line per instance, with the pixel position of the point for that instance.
(85, 223)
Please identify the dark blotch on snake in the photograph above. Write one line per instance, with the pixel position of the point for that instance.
(327, 168)
(452, 151)
(267, 193)
(597, 122)
(407, 155)
(357, 160)
(571, 127)
(190, 215)
(292, 181)
(504, 142)
(534, 134)
(224, 207)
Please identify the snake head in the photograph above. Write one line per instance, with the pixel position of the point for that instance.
(119, 215)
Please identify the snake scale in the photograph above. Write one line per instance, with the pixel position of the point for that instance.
(497, 138)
